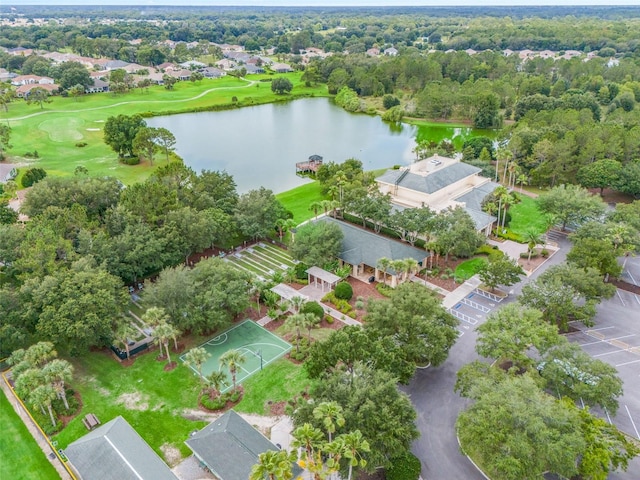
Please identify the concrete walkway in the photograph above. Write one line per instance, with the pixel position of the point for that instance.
(317, 294)
(462, 291)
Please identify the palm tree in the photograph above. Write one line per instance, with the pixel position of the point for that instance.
(397, 266)
(309, 439)
(532, 238)
(58, 373)
(273, 465)
(40, 353)
(354, 446)
(123, 333)
(309, 321)
(155, 316)
(163, 333)
(410, 265)
(41, 397)
(296, 303)
(28, 380)
(315, 207)
(215, 381)
(331, 415)
(384, 264)
(296, 320)
(283, 225)
(522, 180)
(232, 359)
(197, 357)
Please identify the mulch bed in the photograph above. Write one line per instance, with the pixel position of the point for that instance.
(448, 284)
(629, 287)
(65, 419)
(277, 408)
(228, 405)
(534, 263)
(170, 366)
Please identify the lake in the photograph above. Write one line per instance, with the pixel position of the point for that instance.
(260, 145)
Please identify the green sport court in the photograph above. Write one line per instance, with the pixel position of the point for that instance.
(259, 346)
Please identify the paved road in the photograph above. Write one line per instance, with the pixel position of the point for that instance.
(438, 406)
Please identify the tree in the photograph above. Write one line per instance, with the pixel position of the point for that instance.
(38, 95)
(355, 446)
(571, 205)
(162, 334)
(371, 403)
(32, 176)
(296, 321)
(284, 224)
(232, 359)
(317, 243)
(144, 144)
(629, 180)
(123, 333)
(273, 465)
(8, 215)
(519, 432)
(41, 397)
(5, 137)
(166, 140)
(216, 380)
(196, 77)
(384, 264)
(500, 271)
(281, 85)
(417, 322)
(196, 357)
(76, 92)
(510, 331)
(487, 111)
(59, 372)
(120, 132)
(597, 253)
(600, 174)
(331, 415)
(569, 371)
(257, 212)
(533, 239)
(169, 81)
(456, 233)
(70, 74)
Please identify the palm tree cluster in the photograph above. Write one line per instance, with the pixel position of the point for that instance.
(404, 268)
(321, 455)
(40, 377)
(163, 331)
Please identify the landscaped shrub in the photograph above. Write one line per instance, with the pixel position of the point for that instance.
(217, 403)
(534, 254)
(33, 175)
(509, 235)
(81, 144)
(313, 307)
(329, 319)
(130, 160)
(340, 304)
(33, 154)
(544, 252)
(301, 271)
(344, 291)
(385, 290)
(404, 467)
(360, 304)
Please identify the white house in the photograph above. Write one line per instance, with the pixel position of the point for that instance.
(440, 183)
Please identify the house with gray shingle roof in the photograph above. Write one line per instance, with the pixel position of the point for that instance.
(115, 451)
(229, 447)
(362, 249)
(440, 183)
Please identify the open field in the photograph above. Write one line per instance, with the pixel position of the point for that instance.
(22, 458)
(282, 381)
(525, 217)
(55, 130)
(297, 200)
(151, 400)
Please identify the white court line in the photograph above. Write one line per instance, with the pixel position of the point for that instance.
(606, 340)
(632, 422)
(620, 297)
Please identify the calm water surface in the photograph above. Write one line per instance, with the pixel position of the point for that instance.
(260, 145)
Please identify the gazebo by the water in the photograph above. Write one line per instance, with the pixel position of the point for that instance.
(325, 280)
(310, 166)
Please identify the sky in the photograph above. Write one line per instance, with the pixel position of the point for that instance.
(344, 3)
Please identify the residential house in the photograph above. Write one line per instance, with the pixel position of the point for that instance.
(101, 74)
(229, 447)
(6, 75)
(181, 75)
(113, 65)
(507, 52)
(613, 62)
(23, 90)
(373, 52)
(192, 64)
(212, 72)
(569, 54)
(440, 183)
(547, 54)
(281, 68)
(167, 66)
(470, 51)
(134, 67)
(226, 64)
(31, 80)
(391, 51)
(115, 451)
(21, 51)
(98, 86)
(250, 69)
(526, 54)
(362, 250)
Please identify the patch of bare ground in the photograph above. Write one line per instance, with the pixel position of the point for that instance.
(171, 454)
(134, 401)
(261, 422)
(611, 196)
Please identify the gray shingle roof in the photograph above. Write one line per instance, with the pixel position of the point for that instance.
(430, 183)
(229, 446)
(115, 451)
(473, 204)
(362, 246)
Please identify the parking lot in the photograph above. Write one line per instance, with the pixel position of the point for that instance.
(615, 339)
(473, 309)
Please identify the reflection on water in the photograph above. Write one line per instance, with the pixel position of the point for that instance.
(260, 145)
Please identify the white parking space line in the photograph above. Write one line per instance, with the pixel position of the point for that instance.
(607, 340)
(632, 279)
(620, 297)
(598, 329)
(637, 298)
(632, 422)
(611, 353)
(627, 363)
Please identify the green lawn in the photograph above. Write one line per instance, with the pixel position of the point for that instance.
(525, 216)
(297, 200)
(22, 458)
(151, 400)
(54, 130)
(469, 268)
(282, 380)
